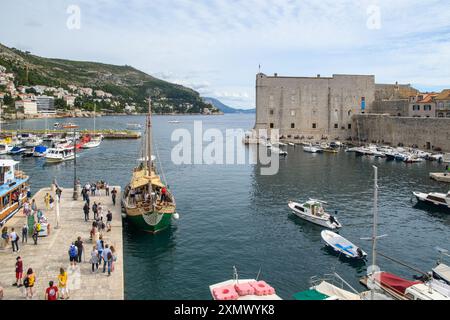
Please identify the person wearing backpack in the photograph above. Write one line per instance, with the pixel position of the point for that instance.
(86, 212)
(28, 282)
(73, 255)
(14, 240)
(107, 259)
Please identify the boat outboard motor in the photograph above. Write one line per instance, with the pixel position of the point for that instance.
(360, 252)
(333, 219)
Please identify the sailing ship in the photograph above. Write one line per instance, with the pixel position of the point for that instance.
(146, 200)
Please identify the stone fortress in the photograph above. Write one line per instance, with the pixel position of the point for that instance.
(343, 107)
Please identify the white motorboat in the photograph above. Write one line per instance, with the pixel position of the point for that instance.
(59, 154)
(5, 148)
(436, 157)
(40, 151)
(277, 150)
(312, 149)
(134, 126)
(413, 159)
(32, 142)
(291, 144)
(313, 211)
(94, 143)
(342, 245)
(434, 198)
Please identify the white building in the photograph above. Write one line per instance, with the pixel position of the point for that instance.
(27, 107)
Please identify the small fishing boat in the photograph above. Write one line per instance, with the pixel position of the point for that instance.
(413, 159)
(277, 150)
(342, 245)
(16, 150)
(313, 211)
(32, 142)
(66, 125)
(55, 155)
(312, 149)
(434, 198)
(5, 148)
(242, 289)
(93, 143)
(40, 151)
(291, 144)
(134, 126)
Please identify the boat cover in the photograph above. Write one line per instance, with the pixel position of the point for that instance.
(140, 178)
(40, 149)
(310, 295)
(395, 283)
(333, 291)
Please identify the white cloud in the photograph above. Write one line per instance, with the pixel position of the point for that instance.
(215, 46)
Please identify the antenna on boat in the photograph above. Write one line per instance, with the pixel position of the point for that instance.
(259, 273)
(375, 236)
(149, 137)
(235, 274)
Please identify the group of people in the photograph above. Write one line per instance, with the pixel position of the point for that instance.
(28, 281)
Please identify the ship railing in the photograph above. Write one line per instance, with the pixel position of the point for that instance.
(334, 279)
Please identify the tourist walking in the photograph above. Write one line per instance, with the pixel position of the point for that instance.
(47, 201)
(62, 283)
(26, 208)
(101, 225)
(79, 245)
(93, 187)
(114, 257)
(108, 220)
(94, 210)
(86, 211)
(14, 237)
(25, 233)
(73, 255)
(35, 235)
(94, 259)
(107, 259)
(100, 210)
(58, 193)
(113, 196)
(100, 247)
(51, 293)
(19, 272)
(107, 189)
(52, 202)
(28, 282)
(33, 207)
(88, 199)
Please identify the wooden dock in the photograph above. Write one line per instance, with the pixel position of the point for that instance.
(51, 252)
(440, 176)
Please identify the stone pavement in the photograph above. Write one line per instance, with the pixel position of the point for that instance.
(51, 253)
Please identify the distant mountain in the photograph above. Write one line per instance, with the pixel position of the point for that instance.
(124, 82)
(224, 108)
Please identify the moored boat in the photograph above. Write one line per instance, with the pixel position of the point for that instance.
(434, 198)
(147, 201)
(342, 245)
(313, 211)
(55, 155)
(312, 149)
(13, 184)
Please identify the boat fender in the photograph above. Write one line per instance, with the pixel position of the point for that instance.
(176, 216)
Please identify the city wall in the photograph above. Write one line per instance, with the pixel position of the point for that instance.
(425, 133)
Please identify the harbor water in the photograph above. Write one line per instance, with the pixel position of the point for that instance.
(230, 215)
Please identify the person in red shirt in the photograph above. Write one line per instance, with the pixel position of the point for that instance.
(19, 272)
(163, 195)
(51, 294)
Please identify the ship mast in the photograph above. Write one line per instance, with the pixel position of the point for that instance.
(149, 137)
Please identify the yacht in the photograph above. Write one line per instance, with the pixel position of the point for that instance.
(312, 149)
(313, 211)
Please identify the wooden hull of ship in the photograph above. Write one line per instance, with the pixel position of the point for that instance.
(151, 222)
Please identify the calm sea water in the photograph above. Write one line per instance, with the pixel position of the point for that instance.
(230, 215)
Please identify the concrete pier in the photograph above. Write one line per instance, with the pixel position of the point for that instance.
(51, 252)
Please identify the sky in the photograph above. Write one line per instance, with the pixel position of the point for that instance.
(217, 46)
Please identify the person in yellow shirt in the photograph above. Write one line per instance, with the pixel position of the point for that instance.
(47, 201)
(62, 284)
(30, 279)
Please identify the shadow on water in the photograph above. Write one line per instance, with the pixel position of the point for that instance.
(442, 213)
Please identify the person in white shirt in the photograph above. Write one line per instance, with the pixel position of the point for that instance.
(14, 240)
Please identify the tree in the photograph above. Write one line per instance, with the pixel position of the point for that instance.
(8, 100)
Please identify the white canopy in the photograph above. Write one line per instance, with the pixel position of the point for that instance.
(8, 163)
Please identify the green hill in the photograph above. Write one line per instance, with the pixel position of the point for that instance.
(125, 82)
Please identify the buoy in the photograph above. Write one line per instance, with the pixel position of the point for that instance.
(176, 216)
